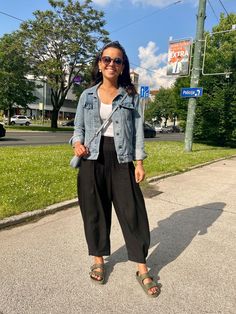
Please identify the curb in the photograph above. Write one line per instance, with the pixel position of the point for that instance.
(27, 216)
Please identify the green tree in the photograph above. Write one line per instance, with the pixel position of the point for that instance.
(166, 104)
(215, 119)
(152, 113)
(181, 103)
(15, 89)
(220, 47)
(60, 42)
(216, 111)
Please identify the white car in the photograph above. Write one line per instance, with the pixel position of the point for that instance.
(159, 129)
(19, 119)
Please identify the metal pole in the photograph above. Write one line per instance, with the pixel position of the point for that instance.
(143, 107)
(44, 102)
(195, 74)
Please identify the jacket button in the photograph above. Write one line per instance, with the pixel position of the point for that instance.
(117, 121)
(120, 146)
(117, 133)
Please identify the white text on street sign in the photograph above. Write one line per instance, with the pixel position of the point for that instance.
(191, 92)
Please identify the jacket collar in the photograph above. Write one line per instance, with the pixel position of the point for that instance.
(93, 90)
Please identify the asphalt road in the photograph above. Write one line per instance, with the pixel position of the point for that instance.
(167, 137)
(35, 138)
(13, 138)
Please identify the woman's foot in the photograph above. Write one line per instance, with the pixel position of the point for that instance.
(97, 270)
(143, 270)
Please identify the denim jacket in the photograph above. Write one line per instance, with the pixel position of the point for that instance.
(127, 125)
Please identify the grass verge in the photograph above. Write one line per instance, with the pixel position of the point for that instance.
(165, 157)
(33, 177)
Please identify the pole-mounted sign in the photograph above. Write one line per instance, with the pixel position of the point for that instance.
(191, 92)
(179, 57)
(144, 91)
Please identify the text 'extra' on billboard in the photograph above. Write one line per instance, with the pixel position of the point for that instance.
(179, 57)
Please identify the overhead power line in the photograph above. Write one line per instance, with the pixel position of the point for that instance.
(223, 7)
(144, 17)
(12, 16)
(225, 11)
(213, 10)
(138, 66)
(122, 27)
(116, 30)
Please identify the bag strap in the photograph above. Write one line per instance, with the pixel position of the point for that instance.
(106, 121)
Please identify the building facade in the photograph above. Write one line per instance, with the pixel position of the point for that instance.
(135, 79)
(42, 107)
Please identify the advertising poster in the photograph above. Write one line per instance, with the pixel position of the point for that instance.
(179, 57)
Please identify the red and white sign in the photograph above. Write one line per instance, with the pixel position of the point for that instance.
(179, 57)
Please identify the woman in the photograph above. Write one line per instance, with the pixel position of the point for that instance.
(107, 174)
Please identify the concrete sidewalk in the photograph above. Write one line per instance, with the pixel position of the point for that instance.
(44, 264)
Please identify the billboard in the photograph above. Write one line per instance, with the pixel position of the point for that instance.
(179, 57)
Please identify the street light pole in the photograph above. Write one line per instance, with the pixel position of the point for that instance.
(195, 74)
(44, 102)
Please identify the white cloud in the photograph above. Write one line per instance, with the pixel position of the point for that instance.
(152, 71)
(157, 3)
(102, 2)
(160, 3)
(148, 56)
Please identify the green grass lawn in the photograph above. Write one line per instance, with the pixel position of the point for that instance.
(164, 157)
(33, 177)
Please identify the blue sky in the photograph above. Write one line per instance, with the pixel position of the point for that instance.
(142, 26)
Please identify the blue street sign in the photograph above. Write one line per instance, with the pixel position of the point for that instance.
(144, 91)
(191, 92)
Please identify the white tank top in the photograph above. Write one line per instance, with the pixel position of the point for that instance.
(105, 110)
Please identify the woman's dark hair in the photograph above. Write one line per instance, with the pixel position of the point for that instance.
(124, 79)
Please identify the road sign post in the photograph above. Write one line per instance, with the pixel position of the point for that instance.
(195, 75)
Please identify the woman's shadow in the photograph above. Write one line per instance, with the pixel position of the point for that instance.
(173, 235)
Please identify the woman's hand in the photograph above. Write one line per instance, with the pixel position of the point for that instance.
(139, 171)
(80, 150)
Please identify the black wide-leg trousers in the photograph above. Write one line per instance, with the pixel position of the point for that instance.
(102, 182)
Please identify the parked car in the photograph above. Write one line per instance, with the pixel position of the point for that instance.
(177, 129)
(158, 129)
(2, 130)
(19, 119)
(68, 123)
(171, 129)
(149, 131)
(167, 129)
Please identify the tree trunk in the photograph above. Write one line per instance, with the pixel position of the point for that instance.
(174, 120)
(54, 118)
(165, 123)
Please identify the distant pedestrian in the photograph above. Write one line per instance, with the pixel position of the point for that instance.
(107, 174)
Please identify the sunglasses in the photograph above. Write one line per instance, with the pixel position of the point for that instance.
(107, 60)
